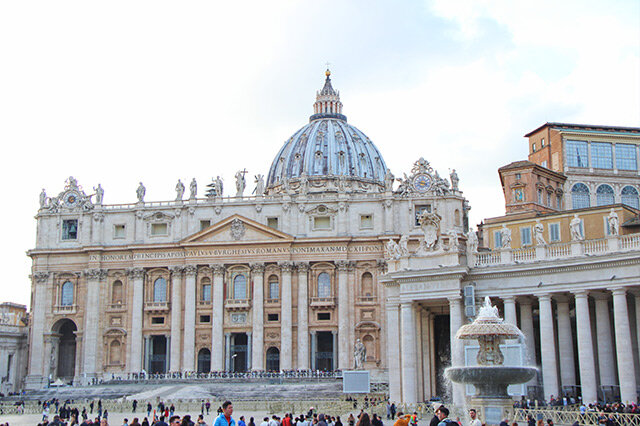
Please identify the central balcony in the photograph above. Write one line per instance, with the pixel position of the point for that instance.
(322, 302)
(156, 306)
(237, 304)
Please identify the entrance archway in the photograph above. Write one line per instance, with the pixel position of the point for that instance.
(66, 365)
(273, 359)
(324, 354)
(158, 355)
(204, 360)
(239, 352)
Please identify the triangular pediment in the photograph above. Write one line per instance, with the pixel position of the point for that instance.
(237, 228)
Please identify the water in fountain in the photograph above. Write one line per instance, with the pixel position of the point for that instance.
(490, 377)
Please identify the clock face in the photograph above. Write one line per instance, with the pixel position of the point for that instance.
(71, 199)
(422, 182)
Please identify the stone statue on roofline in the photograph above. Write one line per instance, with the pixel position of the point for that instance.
(576, 228)
(179, 190)
(193, 189)
(538, 231)
(140, 192)
(614, 224)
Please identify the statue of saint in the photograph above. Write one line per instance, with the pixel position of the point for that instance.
(359, 355)
(193, 189)
(43, 199)
(259, 191)
(140, 192)
(454, 180)
(218, 186)
(404, 245)
(538, 231)
(506, 236)
(99, 194)
(472, 241)
(576, 228)
(304, 183)
(179, 190)
(240, 182)
(612, 220)
(388, 180)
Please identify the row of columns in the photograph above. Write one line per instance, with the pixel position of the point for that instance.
(564, 352)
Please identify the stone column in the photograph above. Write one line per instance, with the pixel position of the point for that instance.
(135, 355)
(334, 340)
(189, 344)
(624, 349)
(286, 323)
(393, 341)
(91, 320)
(147, 354)
(548, 348)
(457, 347)
(588, 383)
(510, 315)
(227, 351)
(408, 341)
(343, 316)
(217, 316)
(526, 325)
(604, 340)
(167, 359)
(257, 274)
(249, 350)
(37, 351)
(567, 359)
(303, 316)
(176, 317)
(637, 300)
(313, 349)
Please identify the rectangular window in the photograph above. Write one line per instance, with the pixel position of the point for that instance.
(525, 236)
(533, 147)
(497, 238)
(559, 202)
(540, 196)
(204, 224)
(542, 142)
(205, 319)
(366, 221)
(554, 232)
(322, 222)
(274, 291)
(206, 292)
(577, 154)
(544, 164)
(157, 320)
(118, 231)
(419, 210)
(601, 155)
(272, 222)
(549, 199)
(159, 229)
(518, 176)
(324, 316)
(272, 317)
(70, 229)
(626, 157)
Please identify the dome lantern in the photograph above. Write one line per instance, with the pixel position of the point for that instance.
(327, 104)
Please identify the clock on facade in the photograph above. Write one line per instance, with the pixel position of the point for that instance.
(71, 198)
(422, 182)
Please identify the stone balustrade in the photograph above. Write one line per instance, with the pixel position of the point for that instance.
(612, 244)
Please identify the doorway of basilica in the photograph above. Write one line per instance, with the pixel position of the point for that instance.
(238, 348)
(66, 365)
(158, 355)
(324, 353)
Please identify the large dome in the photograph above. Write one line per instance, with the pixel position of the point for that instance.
(327, 149)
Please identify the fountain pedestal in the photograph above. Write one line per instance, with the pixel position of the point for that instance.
(492, 410)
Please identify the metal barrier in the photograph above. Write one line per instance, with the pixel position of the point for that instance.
(566, 417)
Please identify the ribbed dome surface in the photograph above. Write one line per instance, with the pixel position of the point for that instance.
(328, 146)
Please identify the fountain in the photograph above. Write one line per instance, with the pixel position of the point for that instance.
(490, 377)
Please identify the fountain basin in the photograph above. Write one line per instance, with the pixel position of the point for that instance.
(490, 381)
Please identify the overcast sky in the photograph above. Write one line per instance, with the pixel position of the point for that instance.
(125, 91)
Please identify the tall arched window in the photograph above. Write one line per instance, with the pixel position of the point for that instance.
(114, 352)
(580, 196)
(66, 294)
(160, 290)
(240, 287)
(116, 292)
(367, 284)
(205, 289)
(630, 197)
(274, 287)
(324, 285)
(604, 195)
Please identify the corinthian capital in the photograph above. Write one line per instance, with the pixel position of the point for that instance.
(41, 277)
(342, 265)
(176, 270)
(257, 268)
(286, 266)
(217, 268)
(136, 273)
(95, 274)
(191, 270)
(302, 267)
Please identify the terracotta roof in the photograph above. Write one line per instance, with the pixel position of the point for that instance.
(517, 165)
(569, 126)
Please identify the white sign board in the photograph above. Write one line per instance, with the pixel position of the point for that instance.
(356, 381)
(513, 357)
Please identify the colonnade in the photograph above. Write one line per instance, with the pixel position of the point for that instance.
(606, 349)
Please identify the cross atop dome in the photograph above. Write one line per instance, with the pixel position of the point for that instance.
(327, 104)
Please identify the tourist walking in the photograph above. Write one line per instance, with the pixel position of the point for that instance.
(225, 419)
(265, 422)
(474, 418)
(443, 416)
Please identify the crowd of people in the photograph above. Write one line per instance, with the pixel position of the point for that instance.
(286, 374)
